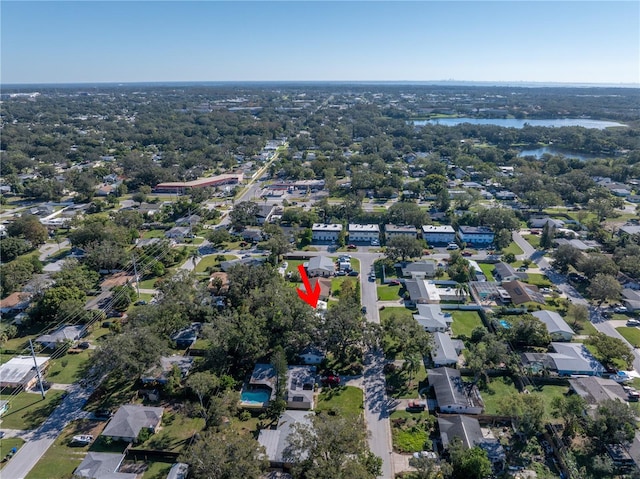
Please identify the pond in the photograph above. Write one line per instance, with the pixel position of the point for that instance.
(540, 152)
(516, 123)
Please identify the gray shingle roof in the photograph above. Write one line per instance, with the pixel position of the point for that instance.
(102, 465)
(444, 351)
(130, 419)
(553, 321)
(276, 441)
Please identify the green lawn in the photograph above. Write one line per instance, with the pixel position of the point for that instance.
(62, 458)
(345, 400)
(630, 334)
(399, 312)
(293, 264)
(336, 284)
(68, 369)
(533, 240)
(153, 234)
(211, 261)
(493, 393)
(512, 248)
(388, 293)
(148, 283)
(157, 470)
(175, 432)
(487, 269)
(549, 392)
(6, 445)
(464, 322)
(410, 431)
(29, 410)
(539, 280)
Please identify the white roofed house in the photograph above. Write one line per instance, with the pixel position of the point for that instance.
(325, 232)
(631, 299)
(363, 233)
(320, 266)
(419, 269)
(557, 327)
(446, 350)
(64, 334)
(20, 371)
(432, 319)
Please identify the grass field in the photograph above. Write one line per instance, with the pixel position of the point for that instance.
(549, 392)
(493, 393)
(398, 381)
(29, 410)
(388, 293)
(387, 312)
(211, 260)
(68, 369)
(175, 432)
(539, 280)
(533, 240)
(630, 334)
(345, 400)
(512, 248)
(464, 322)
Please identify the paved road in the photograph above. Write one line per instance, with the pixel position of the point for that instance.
(42, 438)
(561, 282)
(377, 404)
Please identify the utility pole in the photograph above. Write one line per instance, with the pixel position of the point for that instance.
(35, 362)
(135, 272)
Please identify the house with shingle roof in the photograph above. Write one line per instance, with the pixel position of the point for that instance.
(453, 395)
(129, 420)
(557, 327)
(102, 465)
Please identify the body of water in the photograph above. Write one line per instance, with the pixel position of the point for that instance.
(515, 123)
(540, 152)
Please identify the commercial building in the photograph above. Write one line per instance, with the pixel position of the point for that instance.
(443, 234)
(210, 182)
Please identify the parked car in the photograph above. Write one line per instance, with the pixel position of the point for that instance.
(331, 380)
(84, 345)
(364, 310)
(394, 282)
(620, 310)
(428, 454)
(142, 302)
(633, 322)
(351, 246)
(341, 273)
(353, 273)
(82, 439)
(452, 246)
(466, 253)
(414, 406)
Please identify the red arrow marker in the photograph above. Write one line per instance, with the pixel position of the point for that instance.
(308, 296)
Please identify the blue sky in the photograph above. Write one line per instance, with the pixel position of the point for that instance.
(120, 41)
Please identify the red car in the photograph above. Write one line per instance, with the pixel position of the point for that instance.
(331, 381)
(394, 282)
(352, 246)
(467, 253)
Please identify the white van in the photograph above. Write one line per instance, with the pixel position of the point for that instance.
(452, 246)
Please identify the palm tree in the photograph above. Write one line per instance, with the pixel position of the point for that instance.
(462, 290)
(412, 365)
(195, 254)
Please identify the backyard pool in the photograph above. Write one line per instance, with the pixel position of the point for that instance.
(504, 324)
(259, 396)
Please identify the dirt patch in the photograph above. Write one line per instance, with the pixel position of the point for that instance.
(116, 279)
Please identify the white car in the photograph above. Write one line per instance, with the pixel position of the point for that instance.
(452, 246)
(633, 322)
(82, 439)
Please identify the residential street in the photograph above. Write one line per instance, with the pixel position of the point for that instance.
(42, 438)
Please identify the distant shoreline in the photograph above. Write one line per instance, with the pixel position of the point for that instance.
(510, 84)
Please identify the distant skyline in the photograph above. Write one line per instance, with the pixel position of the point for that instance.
(415, 41)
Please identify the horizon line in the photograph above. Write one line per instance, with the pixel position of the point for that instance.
(361, 82)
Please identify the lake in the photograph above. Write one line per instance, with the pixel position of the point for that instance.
(539, 152)
(515, 123)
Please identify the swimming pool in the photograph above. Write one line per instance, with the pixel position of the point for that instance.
(255, 397)
(504, 324)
